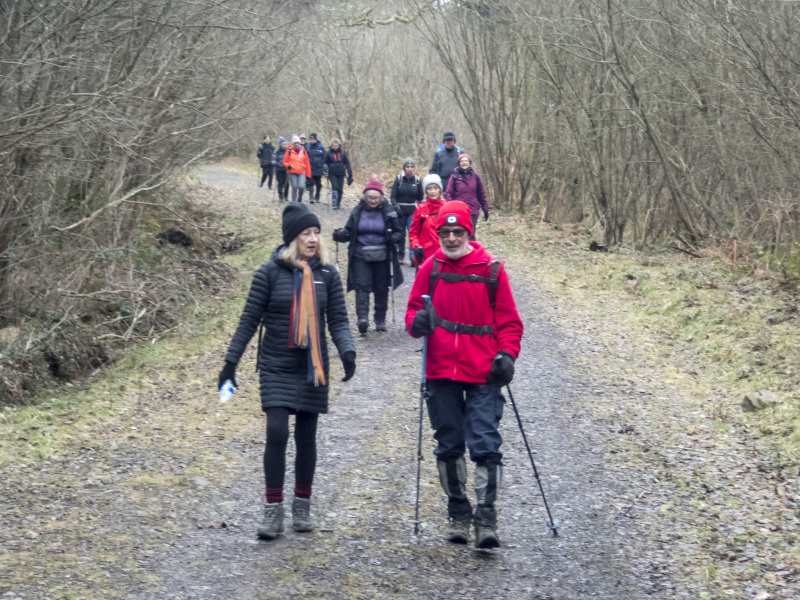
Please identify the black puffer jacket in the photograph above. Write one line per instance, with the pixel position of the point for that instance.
(284, 370)
(277, 159)
(350, 233)
(406, 193)
(265, 152)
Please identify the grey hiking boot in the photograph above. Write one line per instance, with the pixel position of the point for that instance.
(301, 515)
(486, 536)
(380, 325)
(458, 531)
(272, 525)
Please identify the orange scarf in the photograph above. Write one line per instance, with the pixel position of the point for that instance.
(304, 324)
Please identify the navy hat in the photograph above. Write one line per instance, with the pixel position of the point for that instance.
(449, 136)
(296, 219)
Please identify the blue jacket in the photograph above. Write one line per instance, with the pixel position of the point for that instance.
(316, 158)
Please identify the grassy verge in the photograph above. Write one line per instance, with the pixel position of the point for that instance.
(727, 328)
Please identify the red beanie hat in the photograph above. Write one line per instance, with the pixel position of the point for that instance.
(455, 212)
(374, 184)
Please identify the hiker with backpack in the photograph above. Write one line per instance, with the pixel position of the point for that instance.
(292, 296)
(372, 232)
(406, 193)
(422, 235)
(298, 168)
(316, 158)
(280, 169)
(473, 336)
(265, 152)
(445, 160)
(466, 185)
(338, 165)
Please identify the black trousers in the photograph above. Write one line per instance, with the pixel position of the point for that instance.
(372, 278)
(337, 184)
(305, 440)
(283, 183)
(266, 171)
(314, 180)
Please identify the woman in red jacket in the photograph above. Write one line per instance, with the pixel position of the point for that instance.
(422, 237)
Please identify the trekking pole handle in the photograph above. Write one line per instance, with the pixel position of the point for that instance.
(427, 304)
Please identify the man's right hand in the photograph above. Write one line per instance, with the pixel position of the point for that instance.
(421, 325)
(419, 254)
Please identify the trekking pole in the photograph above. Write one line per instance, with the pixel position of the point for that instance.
(337, 257)
(423, 395)
(553, 524)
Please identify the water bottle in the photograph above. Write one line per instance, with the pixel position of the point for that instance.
(226, 391)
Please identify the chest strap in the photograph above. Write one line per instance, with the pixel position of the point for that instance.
(462, 328)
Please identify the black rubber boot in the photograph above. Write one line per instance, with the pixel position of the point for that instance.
(453, 477)
(362, 311)
(488, 479)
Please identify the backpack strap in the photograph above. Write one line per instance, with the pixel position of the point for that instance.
(493, 271)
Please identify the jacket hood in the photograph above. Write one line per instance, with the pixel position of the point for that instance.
(478, 256)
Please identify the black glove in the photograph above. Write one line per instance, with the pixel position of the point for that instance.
(486, 215)
(502, 369)
(349, 363)
(421, 325)
(419, 254)
(338, 235)
(349, 180)
(228, 372)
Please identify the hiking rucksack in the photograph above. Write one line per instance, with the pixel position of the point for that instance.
(493, 268)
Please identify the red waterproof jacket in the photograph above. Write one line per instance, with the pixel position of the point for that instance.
(296, 162)
(461, 356)
(423, 227)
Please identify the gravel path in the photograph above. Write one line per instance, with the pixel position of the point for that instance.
(175, 517)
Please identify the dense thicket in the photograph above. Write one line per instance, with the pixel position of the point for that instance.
(646, 119)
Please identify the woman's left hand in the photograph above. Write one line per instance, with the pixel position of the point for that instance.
(349, 363)
(486, 215)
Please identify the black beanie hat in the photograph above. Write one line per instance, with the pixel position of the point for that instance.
(449, 136)
(296, 219)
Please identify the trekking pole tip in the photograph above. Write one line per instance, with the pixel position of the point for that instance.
(554, 529)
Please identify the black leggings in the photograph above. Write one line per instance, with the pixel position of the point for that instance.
(266, 171)
(305, 440)
(283, 183)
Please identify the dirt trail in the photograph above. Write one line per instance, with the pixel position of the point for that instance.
(186, 529)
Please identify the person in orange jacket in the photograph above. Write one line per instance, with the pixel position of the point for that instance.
(297, 166)
(422, 237)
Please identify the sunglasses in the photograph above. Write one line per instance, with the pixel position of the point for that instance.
(458, 233)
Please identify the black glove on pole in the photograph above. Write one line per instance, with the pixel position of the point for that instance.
(422, 325)
(419, 254)
(486, 215)
(502, 371)
(349, 364)
(228, 372)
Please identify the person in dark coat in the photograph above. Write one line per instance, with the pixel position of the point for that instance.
(406, 193)
(446, 158)
(372, 231)
(467, 186)
(316, 157)
(292, 296)
(338, 165)
(265, 152)
(280, 169)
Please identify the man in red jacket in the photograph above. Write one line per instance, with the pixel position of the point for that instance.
(474, 334)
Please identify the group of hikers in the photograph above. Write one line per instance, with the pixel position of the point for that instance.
(301, 166)
(460, 302)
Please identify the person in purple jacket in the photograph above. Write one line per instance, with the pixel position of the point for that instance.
(466, 185)
(372, 231)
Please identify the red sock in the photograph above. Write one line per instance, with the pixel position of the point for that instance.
(302, 490)
(274, 495)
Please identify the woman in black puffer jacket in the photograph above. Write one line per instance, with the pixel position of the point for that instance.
(338, 165)
(292, 296)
